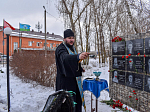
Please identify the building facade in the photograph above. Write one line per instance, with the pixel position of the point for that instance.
(28, 40)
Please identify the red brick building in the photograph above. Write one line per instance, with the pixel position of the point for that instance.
(29, 40)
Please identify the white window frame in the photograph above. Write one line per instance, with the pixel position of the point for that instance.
(51, 45)
(29, 43)
(16, 45)
(38, 44)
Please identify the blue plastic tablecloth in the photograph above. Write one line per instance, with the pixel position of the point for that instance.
(95, 86)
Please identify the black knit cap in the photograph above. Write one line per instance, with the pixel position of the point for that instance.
(68, 33)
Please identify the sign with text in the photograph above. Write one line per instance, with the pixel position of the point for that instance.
(134, 80)
(115, 76)
(119, 63)
(121, 77)
(118, 48)
(135, 46)
(138, 82)
(118, 77)
(135, 64)
(130, 79)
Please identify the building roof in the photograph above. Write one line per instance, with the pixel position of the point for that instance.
(34, 34)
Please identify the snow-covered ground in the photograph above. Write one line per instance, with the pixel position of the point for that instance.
(31, 97)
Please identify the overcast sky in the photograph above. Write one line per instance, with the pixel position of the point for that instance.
(30, 12)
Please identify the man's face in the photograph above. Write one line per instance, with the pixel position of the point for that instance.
(115, 60)
(130, 63)
(115, 48)
(69, 40)
(115, 73)
(130, 47)
(130, 78)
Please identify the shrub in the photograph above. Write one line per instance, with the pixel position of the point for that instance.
(33, 65)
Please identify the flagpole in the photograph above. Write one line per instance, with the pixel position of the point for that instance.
(3, 42)
(19, 38)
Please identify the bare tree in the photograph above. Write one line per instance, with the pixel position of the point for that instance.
(68, 8)
(130, 16)
(105, 19)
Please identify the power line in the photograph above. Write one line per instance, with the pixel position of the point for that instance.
(54, 17)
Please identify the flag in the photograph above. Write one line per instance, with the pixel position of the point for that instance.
(6, 24)
(24, 27)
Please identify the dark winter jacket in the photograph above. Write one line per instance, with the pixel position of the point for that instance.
(68, 69)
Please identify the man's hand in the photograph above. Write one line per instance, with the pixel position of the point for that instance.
(84, 55)
(83, 70)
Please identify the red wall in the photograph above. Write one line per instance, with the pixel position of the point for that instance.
(25, 41)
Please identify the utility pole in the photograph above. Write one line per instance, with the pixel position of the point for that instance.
(38, 26)
(45, 30)
(19, 42)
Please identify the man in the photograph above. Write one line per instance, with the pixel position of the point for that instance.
(130, 79)
(130, 82)
(130, 63)
(115, 62)
(68, 67)
(115, 48)
(130, 46)
(147, 86)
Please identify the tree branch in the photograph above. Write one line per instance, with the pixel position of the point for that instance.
(82, 11)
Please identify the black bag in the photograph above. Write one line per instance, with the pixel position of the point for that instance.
(60, 101)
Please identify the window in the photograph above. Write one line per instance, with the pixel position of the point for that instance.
(15, 45)
(57, 45)
(30, 43)
(38, 44)
(48, 48)
(51, 45)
